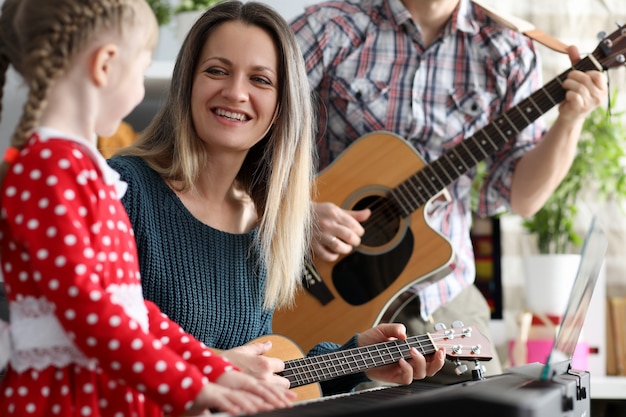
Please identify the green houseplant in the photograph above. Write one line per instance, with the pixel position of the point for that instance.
(163, 10)
(598, 172)
(194, 5)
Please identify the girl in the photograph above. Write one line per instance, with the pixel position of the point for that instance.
(82, 340)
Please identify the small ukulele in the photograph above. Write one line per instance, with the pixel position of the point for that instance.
(305, 373)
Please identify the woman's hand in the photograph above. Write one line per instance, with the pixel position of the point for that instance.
(403, 371)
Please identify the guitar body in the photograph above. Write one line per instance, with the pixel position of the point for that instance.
(352, 294)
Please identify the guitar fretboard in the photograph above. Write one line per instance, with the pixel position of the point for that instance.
(428, 182)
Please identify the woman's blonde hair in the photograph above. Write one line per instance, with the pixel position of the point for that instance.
(277, 172)
(41, 38)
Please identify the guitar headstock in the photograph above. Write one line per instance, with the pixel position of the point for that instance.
(610, 51)
(463, 343)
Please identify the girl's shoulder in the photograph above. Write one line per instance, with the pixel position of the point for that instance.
(53, 155)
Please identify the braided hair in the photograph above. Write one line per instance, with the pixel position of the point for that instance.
(41, 38)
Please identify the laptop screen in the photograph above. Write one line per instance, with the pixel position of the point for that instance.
(591, 261)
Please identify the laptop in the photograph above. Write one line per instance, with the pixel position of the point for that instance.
(592, 259)
(560, 357)
(552, 389)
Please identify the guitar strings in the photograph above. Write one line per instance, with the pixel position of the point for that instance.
(542, 100)
(500, 130)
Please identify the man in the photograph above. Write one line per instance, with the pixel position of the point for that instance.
(435, 72)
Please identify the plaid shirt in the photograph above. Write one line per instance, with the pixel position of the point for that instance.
(367, 65)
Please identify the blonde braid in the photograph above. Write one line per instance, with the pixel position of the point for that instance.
(41, 38)
(8, 54)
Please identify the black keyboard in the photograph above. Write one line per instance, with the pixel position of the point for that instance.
(506, 395)
(355, 403)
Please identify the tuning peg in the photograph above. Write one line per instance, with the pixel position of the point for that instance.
(440, 326)
(601, 35)
(478, 372)
(457, 323)
(460, 368)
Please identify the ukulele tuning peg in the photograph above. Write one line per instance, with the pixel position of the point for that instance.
(478, 373)
(440, 326)
(601, 35)
(460, 368)
(457, 323)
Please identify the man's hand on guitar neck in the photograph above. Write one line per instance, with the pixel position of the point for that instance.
(584, 91)
(403, 371)
(338, 231)
(542, 169)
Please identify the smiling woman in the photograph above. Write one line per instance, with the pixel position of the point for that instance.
(235, 94)
(230, 66)
(219, 191)
(220, 152)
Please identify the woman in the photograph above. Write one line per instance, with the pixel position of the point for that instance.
(220, 186)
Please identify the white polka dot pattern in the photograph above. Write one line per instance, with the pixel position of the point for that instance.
(65, 238)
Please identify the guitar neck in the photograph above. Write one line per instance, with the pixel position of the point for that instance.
(418, 189)
(318, 368)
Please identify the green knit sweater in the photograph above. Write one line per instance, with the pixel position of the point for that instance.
(208, 281)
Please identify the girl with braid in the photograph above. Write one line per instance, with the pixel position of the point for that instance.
(82, 340)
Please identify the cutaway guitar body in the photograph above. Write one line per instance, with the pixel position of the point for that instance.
(398, 248)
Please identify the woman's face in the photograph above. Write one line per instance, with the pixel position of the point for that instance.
(235, 87)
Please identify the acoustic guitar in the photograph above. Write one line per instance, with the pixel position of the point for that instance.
(305, 373)
(383, 172)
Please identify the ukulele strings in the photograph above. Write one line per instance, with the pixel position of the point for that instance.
(369, 356)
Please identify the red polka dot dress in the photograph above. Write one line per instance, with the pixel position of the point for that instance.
(83, 341)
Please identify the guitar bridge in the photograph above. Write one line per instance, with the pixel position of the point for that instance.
(314, 285)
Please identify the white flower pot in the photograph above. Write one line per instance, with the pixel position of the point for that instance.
(548, 282)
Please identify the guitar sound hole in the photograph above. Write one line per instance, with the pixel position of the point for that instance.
(360, 277)
(384, 222)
